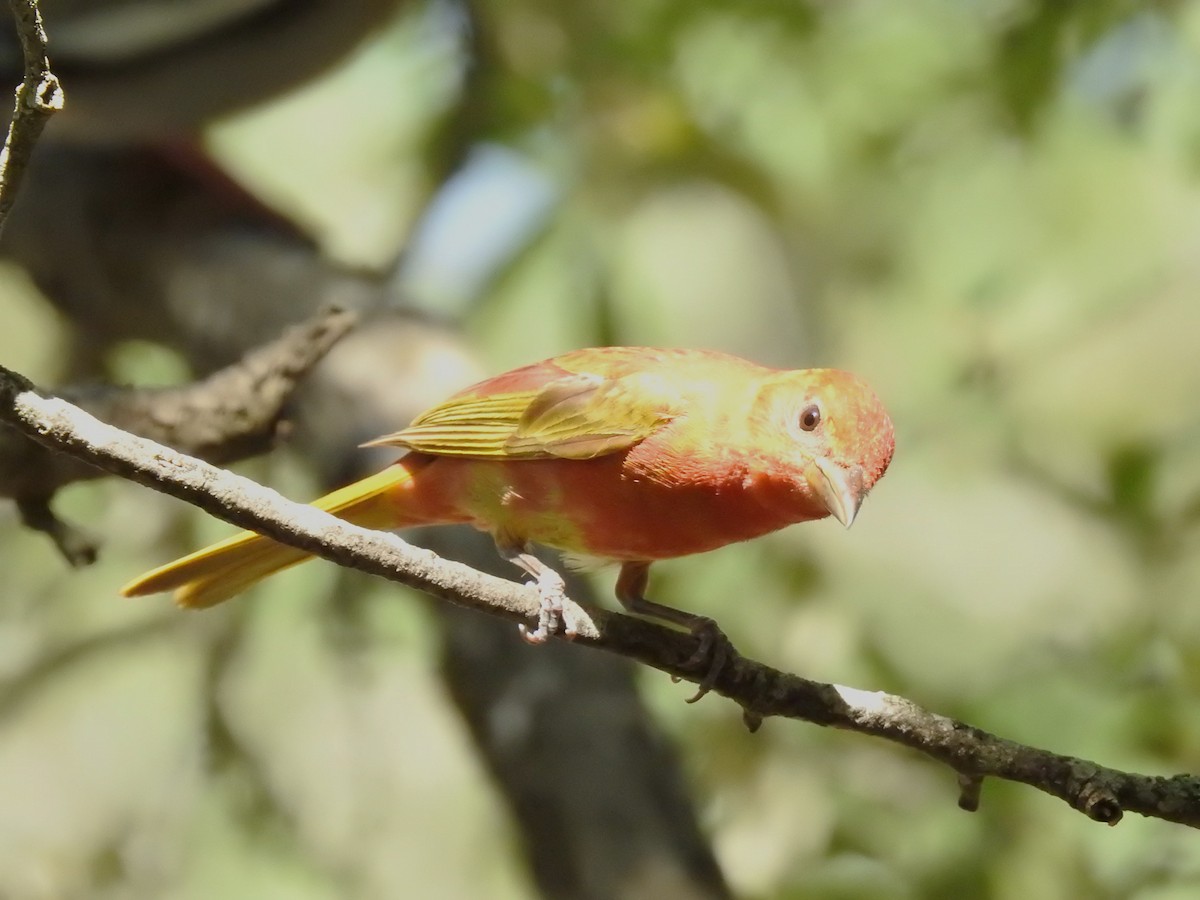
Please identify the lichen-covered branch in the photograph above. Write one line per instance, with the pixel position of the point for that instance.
(1099, 792)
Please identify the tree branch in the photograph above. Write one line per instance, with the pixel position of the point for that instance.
(38, 97)
(233, 413)
(1101, 793)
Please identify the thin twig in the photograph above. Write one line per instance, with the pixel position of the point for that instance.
(38, 97)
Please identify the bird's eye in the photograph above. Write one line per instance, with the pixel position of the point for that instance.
(811, 417)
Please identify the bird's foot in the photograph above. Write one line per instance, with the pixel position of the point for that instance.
(552, 591)
(714, 652)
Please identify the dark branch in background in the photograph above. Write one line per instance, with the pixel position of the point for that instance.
(1101, 793)
(232, 414)
(38, 97)
(631, 813)
(145, 83)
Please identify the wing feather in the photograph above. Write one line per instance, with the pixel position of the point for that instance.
(572, 416)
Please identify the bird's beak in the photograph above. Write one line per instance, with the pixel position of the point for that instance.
(841, 490)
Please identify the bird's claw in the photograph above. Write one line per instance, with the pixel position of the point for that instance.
(552, 591)
(714, 652)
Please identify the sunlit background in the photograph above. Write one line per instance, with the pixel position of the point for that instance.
(990, 210)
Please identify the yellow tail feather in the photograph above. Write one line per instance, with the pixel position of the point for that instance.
(216, 573)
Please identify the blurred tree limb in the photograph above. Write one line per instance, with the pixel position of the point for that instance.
(1101, 793)
(155, 70)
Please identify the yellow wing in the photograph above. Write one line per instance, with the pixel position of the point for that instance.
(572, 416)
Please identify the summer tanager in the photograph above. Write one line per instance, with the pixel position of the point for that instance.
(622, 454)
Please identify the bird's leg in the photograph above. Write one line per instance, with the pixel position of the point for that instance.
(715, 647)
(552, 590)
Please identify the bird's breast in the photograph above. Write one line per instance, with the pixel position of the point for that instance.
(618, 508)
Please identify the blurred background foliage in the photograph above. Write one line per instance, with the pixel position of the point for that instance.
(989, 209)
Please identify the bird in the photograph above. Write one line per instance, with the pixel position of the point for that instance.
(626, 455)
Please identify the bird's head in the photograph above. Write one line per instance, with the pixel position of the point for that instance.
(840, 434)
